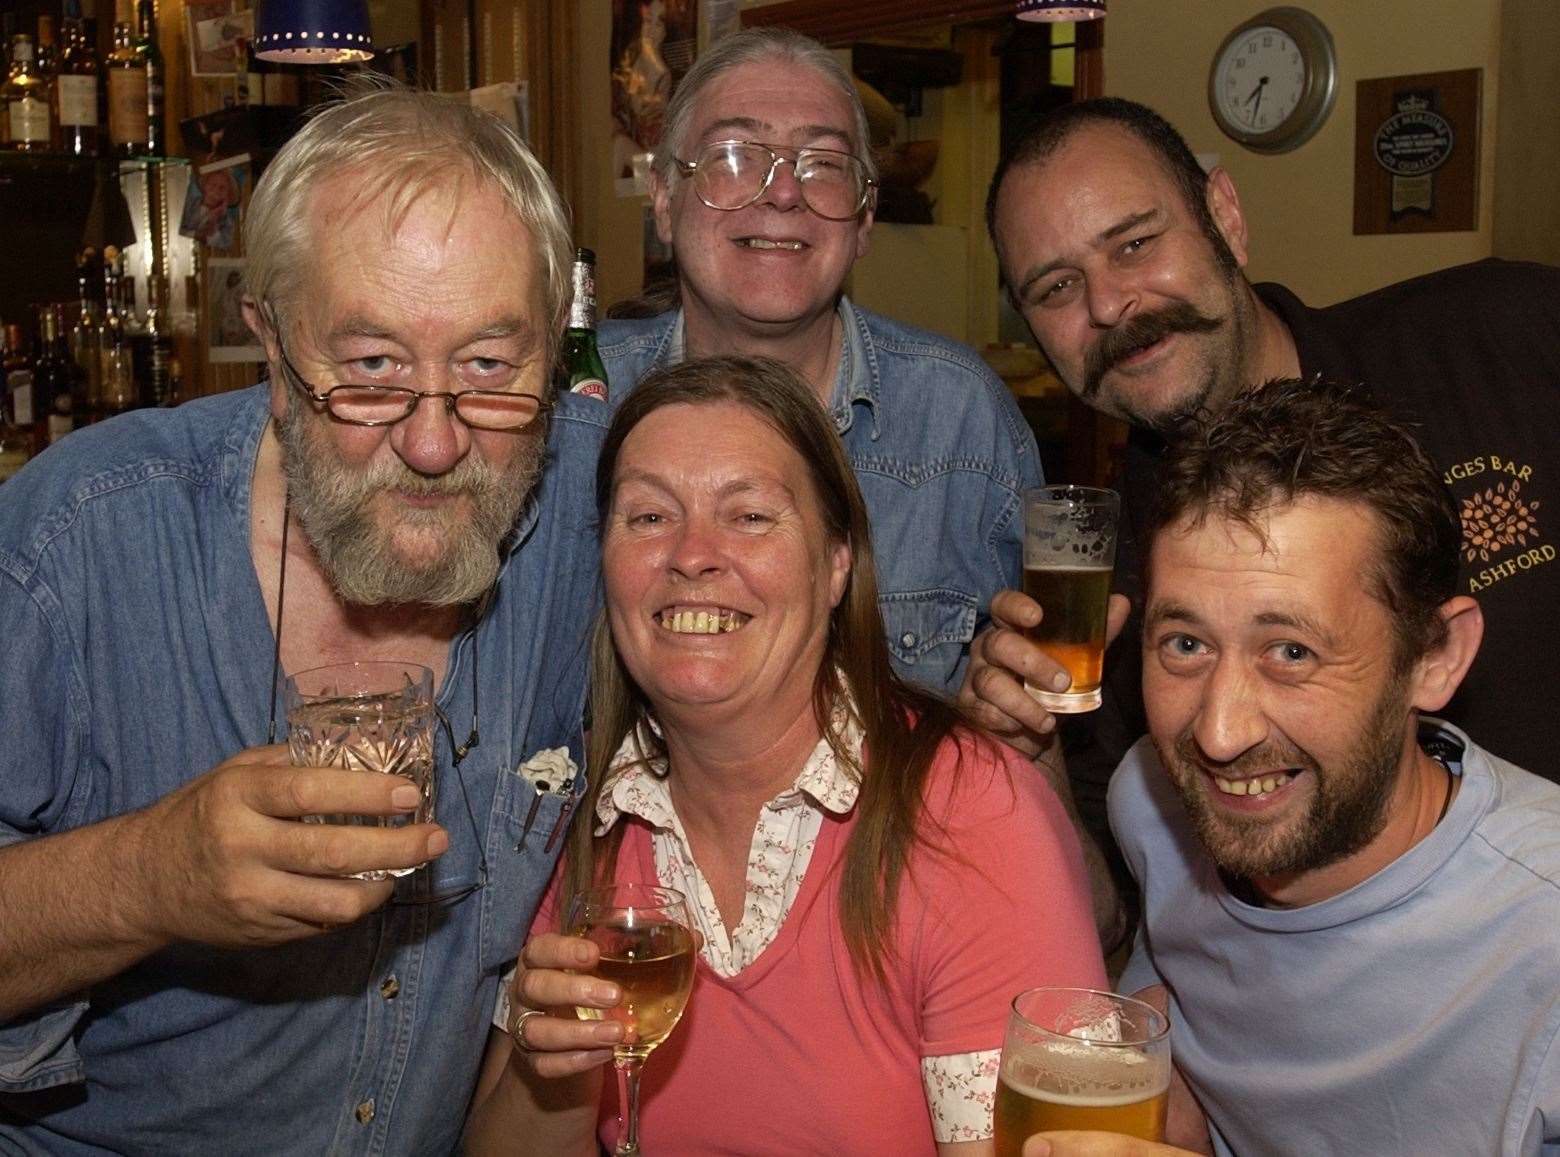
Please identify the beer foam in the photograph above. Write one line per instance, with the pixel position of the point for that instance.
(1081, 1074)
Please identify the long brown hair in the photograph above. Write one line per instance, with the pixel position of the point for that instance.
(903, 726)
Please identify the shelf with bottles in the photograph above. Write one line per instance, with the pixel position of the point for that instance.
(66, 96)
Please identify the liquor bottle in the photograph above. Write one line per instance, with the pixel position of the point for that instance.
(26, 98)
(7, 31)
(127, 92)
(76, 87)
(579, 364)
(156, 341)
(47, 61)
(15, 442)
(54, 379)
(118, 390)
(86, 336)
(18, 369)
(152, 61)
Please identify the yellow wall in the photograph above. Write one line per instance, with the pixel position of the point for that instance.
(1300, 205)
(609, 224)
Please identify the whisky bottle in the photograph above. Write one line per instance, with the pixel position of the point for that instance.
(118, 391)
(580, 370)
(18, 369)
(47, 61)
(15, 442)
(86, 336)
(151, 59)
(127, 92)
(54, 379)
(76, 87)
(26, 98)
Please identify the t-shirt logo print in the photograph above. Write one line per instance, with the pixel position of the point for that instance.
(1496, 519)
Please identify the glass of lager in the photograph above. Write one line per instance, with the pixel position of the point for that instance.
(1075, 1058)
(1069, 550)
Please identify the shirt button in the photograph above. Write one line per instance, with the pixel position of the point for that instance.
(907, 639)
(389, 987)
(365, 1111)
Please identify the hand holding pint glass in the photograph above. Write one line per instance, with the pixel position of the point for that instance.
(373, 716)
(1074, 1058)
(1069, 553)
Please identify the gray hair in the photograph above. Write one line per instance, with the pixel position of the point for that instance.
(401, 140)
(751, 46)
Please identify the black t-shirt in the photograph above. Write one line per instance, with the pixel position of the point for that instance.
(1471, 355)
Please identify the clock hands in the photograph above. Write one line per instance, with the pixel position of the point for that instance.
(1256, 95)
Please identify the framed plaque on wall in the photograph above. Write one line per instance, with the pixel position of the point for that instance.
(1416, 153)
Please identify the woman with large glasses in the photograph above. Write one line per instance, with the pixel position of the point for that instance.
(872, 878)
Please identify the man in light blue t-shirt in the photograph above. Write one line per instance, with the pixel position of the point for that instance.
(1352, 912)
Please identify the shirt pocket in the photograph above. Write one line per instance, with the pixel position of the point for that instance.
(929, 635)
(518, 871)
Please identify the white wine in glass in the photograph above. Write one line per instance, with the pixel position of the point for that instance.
(647, 949)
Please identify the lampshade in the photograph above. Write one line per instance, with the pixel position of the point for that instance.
(1059, 10)
(313, 31)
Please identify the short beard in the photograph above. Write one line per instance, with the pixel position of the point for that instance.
(359, 555)
(1348, 809)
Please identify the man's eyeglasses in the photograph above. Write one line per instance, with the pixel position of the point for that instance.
(731, 175)
(386, 405)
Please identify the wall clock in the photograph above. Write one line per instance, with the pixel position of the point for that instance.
(1273, 80)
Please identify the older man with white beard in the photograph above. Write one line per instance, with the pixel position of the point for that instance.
(185, 967)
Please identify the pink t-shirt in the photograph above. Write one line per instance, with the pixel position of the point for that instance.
(798, 1054)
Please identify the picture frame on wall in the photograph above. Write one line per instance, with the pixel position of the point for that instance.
(222, 320)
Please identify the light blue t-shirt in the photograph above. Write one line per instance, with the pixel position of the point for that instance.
(138, 656)
(942, 454)
(1415, 1014)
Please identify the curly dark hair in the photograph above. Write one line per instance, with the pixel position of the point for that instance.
(1292, 438)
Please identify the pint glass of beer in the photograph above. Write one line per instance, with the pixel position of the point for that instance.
(1069, 550)
(1075, 1058)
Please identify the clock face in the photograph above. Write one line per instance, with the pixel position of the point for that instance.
(1259, 80)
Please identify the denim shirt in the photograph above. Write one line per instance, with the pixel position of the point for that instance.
(139, 657)
(942, 455)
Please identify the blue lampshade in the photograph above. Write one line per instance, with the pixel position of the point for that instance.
(1060, 10)
(313, 31)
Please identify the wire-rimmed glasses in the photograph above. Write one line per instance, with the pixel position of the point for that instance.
(366, 405)
(730, 175)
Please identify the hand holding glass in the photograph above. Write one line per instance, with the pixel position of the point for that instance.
(1069, 553)
(1075, 1058)
(644, 934)
(376, 717)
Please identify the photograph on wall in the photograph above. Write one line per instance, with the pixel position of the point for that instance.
(212, 201)
(653, 44)
(227, 337)
(215, 34)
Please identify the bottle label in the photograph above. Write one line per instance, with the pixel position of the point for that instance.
(590, 388)
(20, 383)
(79, 101)
(30, 120)
(127, 106)
(59, 426)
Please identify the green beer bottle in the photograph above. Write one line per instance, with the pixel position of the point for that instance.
(579, 364)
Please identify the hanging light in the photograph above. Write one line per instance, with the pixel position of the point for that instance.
(313, 31)
(1060, 10)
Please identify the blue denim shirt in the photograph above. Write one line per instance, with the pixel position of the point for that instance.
(138, 656)
(942, 455)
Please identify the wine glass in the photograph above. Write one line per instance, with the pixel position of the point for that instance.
(646, 942)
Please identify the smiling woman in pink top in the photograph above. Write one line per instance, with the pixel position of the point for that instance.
(873, 879)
